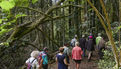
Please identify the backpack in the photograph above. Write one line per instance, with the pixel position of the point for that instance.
(29, 65)
(73, 43)
(66, 53)
(40, 57)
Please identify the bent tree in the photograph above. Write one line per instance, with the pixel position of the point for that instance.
(19, 30)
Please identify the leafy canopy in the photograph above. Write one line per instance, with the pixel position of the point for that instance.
(7, 17)
(7, 5)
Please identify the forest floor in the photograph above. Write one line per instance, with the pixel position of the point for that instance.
(84, 63)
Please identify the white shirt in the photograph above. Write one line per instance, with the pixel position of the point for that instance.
(33, 62)
(73, 41)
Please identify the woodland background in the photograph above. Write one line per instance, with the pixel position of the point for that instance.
(27, 25)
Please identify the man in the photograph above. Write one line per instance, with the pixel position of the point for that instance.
(101, 46)
(73, 41)
(98, 40)
(90, 47)
(82, 42)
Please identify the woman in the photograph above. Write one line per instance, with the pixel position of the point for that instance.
(90, 47)
(60, 58)
(77, 54)
(32, 62)
(43, 58)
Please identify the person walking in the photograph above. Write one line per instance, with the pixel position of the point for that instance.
(90, 47)
(98, 40)
(93, 38)
(77, 54)
(61, 59)
(73, 41)
(82, 42)
(32, 62)
(101, 46)
(67, 52)
(43, 58)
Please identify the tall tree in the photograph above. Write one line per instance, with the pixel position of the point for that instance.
(107, 29)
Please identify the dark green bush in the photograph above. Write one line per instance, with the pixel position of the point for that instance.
(108, 61)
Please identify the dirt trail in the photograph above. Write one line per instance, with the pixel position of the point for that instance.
(84, 63)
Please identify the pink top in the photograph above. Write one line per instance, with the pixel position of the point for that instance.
(77, 53)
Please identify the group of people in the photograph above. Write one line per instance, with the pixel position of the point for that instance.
(38, 59)
(89, 44)
(79, 48)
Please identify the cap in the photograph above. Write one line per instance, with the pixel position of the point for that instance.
(90, 37)
(45, 49)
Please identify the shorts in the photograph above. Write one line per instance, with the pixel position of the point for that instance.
(78, 61)
(45, 66)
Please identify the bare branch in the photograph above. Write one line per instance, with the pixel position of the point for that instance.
(37, 11)
(56, 17)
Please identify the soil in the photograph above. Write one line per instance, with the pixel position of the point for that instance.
(84, 63)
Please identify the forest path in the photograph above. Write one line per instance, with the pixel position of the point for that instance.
(84, 63)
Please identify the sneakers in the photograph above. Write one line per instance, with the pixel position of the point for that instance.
(88, 60)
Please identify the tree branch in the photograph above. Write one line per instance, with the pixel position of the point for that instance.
(106, 15)
(36, 11)
(47, 36)
(22, 30)
(56, 17)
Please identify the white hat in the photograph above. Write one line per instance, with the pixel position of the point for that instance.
(75, 35)
(99, 34)
(34, 54)
(83, 35)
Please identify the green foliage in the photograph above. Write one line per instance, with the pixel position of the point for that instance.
(0, 21)
(3, 31)
(90, 9)
(20, 15)
(24, 3)
(8, 18)
(5, 43)
(119, 27)
(71, 0)
(108, 61)
(20, 3)
(34, 1)
(7, 5)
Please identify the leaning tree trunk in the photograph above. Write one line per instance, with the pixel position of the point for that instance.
(107, 29)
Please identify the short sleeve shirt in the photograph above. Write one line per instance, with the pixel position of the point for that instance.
(33, 62)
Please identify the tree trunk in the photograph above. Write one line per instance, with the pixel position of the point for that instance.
(76, 18)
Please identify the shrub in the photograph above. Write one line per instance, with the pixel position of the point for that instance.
(108, 61)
